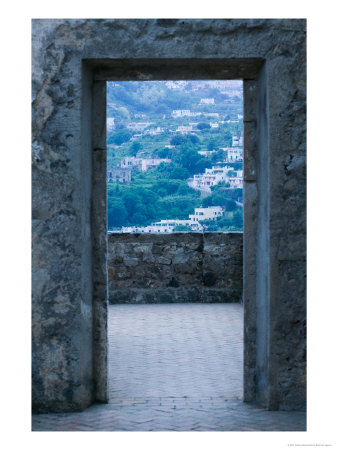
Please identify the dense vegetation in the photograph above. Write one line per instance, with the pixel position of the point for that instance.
(163, 193)
(150, 198)
(154, 99)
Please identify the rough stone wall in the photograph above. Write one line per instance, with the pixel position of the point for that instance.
(61, 229)
(179, 267)
(68, 270)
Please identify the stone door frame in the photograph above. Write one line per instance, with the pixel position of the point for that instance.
(95, 74)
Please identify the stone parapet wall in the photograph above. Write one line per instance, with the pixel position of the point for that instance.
(179, 267)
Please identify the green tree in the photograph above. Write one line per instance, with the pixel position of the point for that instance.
(218, 156)
(211, 145)
(135, 148)
(169, 186)
(178, 140)
(138, 219)
(230, 205)
(237, 219)
(203, 126)
(207, 201)
(117, 213)
(228, 139)
(184, 189)
(193, 139)
(212, 226)
(202, 164)
(132, 200)
(119, 137)
(163, 153)
(164, 169)
(179, 173)
(188, 158)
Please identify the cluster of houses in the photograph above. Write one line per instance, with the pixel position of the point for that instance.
(142, 164)
(233, 154)
(119, 175)
(202, 182)
(169, 225)
(207, 101)
(141, 126)
(122, 174)
(216, 175)
(141, 129)
(187, 113)
(138, 126)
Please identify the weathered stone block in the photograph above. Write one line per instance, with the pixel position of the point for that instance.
(183, 267)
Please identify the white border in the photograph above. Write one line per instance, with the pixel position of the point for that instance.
(322, 223)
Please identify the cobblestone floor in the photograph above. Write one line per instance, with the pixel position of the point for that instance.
(174, 367)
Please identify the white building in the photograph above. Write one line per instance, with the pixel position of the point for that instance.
(110, 124)
(181, 113)
(211, 177)
(164, 226)
(129, 162)
(206, 152)
(138, 126)
(235, 154)
(207, 101)
(235, 141)
(236, 182)
(184, 129)
(155, 131)
(136, 136)
(149, 163)
(215, 175)
(142, 164)
(210, 213)
(119, 175)
(184, 112)
(211, 114)
(168, 225)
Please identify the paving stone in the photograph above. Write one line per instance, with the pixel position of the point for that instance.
(168, 371)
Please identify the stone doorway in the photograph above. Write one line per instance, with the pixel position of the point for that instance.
(160, 287)
(254, 126)
(72, 60)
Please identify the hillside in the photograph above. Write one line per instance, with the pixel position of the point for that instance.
(191, 126)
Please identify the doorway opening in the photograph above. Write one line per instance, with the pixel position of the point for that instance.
(252, 72)
(175, 167)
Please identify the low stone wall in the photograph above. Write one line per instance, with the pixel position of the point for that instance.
(179, 267)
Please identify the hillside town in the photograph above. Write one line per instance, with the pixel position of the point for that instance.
(161, 149)
(170, 225)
